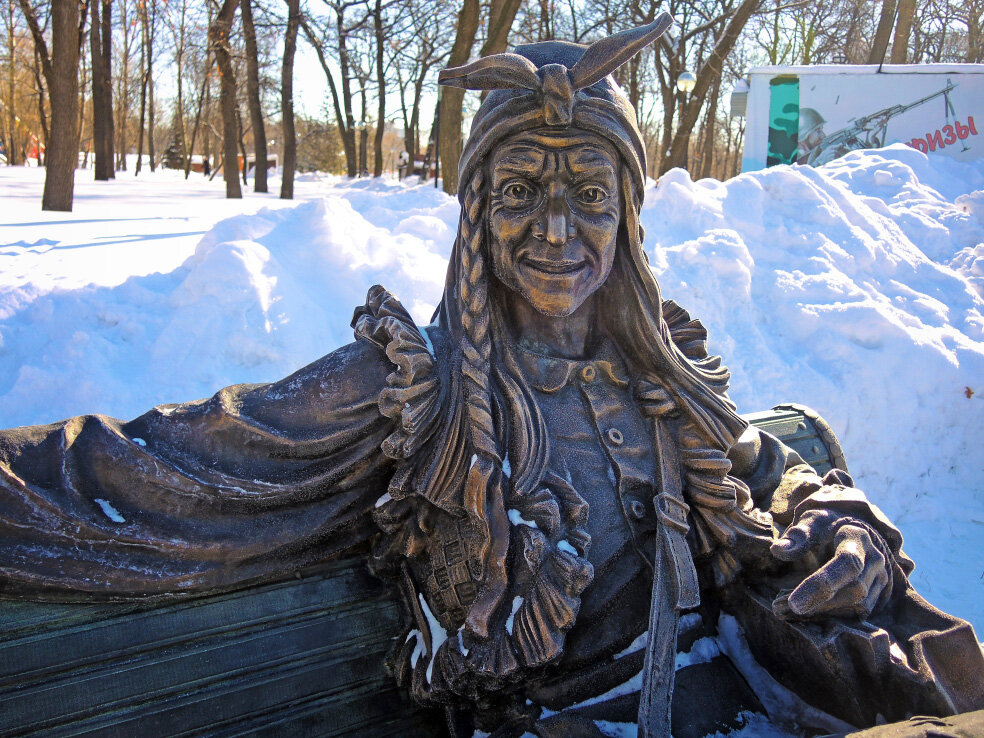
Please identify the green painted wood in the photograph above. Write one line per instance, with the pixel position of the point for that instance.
(303, 657)
(805, 432)
(297, 658)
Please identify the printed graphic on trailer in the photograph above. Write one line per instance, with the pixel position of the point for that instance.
(930, 112)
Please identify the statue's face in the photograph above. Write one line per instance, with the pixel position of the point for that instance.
(554, 212)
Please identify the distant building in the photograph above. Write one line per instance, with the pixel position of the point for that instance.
(813, 114)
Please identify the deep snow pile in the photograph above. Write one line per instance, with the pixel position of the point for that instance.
(856, 289)
(260, 296)
(832, 288)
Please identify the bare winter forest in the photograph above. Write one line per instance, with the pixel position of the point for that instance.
(178, 83)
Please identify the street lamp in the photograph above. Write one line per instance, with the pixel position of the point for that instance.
(685, 83)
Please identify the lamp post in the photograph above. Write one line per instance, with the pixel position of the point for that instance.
(685, 84)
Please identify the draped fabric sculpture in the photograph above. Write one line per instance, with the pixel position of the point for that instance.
(527, 470)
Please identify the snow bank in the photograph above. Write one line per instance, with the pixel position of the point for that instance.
(857, 289)
(849, 289)
(262, 295)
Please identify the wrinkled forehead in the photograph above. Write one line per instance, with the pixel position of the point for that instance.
(578, 150)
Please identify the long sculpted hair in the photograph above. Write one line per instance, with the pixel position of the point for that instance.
(488, 452)
(494, 413)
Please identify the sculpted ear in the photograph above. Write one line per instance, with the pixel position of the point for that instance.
(496, 72)
(605, 56)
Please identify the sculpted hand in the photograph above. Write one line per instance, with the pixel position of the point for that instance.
(855, 579)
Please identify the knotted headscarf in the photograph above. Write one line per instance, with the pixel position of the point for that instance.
(556, 84)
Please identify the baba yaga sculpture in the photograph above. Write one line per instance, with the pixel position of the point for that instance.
(545, 473)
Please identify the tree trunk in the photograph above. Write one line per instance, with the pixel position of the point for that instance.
(219, 33)
(348, 132)
(884, 32)
(377, 166)
(500, 21)
(198, 117)
(710, 124)
(903, 29)
(975, 39)
(253, 98)
(122, 99)
(452, 98)
(143, 87)
(666, 138)
(42, 113)
(107, 82)
(11, 105)
(83, 85)
(179, 54)
(241, 129)
(342, 122)
(101, 166)
(151, 118)
(364, 132)
(408, 132)
(63, 89)
(287, 100)
(710, 71)
(413, 149)
(42, 66)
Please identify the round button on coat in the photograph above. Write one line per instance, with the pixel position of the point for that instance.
(615, 436)
(588, 373)
(638, 509)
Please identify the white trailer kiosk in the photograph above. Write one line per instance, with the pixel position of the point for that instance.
(813, 114)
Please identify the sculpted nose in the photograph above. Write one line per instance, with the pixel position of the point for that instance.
(558, 222)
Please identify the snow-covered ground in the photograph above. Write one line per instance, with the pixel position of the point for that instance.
(857, 289)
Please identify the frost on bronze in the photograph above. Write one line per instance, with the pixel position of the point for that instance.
(545, 473)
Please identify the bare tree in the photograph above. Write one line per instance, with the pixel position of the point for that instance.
(500, 20)
(427, 48)
(377, 25)
(253, 99)
(206, 72)
(219, 33)
(287, 101)
(100, 46)
(61, 72)
(123, 101)
(883, 33)
(971, 14)
(452, 98)
(148, 22)
(13, 137)
(177, 20)
(903, 29)
(344, 122)
(338, 33)
(709, 71)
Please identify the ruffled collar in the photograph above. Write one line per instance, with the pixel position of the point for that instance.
(550, 373)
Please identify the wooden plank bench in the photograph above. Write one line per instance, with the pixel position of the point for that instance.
(303, 657)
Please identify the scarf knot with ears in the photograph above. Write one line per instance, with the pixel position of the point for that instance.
(547, 85)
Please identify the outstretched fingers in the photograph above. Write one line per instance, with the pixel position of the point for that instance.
(849, 584)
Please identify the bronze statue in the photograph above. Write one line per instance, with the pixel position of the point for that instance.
(548, 471)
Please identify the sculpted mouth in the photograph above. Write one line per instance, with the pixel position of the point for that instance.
(565, 266)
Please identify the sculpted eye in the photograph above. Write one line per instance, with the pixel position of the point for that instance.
(591, 195)
(519, 193)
